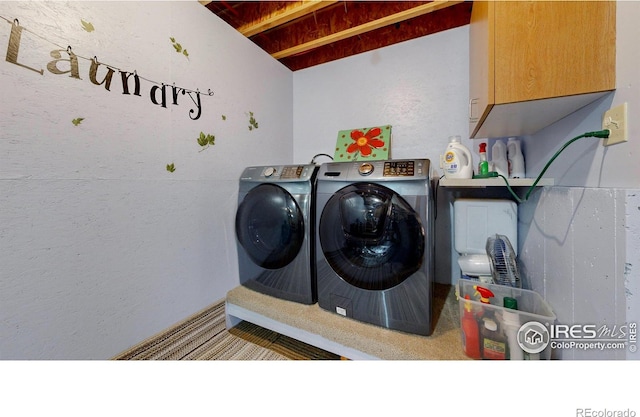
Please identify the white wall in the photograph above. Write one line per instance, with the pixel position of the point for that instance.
(101, 246)
(579, 249)
(420, 87)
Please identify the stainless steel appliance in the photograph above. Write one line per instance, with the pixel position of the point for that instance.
(374, 254)
(275, 231)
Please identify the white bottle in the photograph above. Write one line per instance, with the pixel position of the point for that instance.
(511, 325)
(457, 161)
(516, 159)
(499, 158)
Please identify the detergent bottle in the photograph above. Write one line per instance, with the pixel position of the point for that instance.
(470, 332)
(499, 158)
(457, 161)
(516, 159)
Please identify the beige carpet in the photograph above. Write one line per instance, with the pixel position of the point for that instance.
(374, 341)
(203, 336)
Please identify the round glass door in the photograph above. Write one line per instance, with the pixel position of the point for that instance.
(371, 237)
(270, 226)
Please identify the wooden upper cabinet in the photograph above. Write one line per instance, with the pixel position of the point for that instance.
(534, 62)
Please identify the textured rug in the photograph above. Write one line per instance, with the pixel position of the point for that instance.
(204, 336)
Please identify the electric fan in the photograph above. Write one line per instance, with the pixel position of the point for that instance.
(504, 269)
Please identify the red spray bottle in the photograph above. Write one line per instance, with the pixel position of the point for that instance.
(485, 294)
(470, 332)
(493, 344)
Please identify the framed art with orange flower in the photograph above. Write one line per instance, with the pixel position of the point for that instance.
(366, 144)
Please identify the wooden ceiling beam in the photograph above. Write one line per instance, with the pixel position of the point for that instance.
(366, 27)
(293, 12)
(428, 24)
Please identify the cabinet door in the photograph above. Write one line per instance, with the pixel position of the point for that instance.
(546, 49)
(481, 88)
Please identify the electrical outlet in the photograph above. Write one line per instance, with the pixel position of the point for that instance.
(615, 120)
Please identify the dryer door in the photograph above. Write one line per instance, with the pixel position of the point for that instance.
(371, 237)
(270, 226)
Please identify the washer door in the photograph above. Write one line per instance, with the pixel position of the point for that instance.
(270, 226)
(371, 237)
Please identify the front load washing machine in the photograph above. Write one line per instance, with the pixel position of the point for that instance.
(274, 231)
(374, 257)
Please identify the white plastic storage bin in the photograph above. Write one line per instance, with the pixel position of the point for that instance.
(503, 333)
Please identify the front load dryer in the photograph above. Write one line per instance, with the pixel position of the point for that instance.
(274, 231)
(374, 254)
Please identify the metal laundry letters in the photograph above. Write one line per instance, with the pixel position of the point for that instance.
(157, 93)
(174, 95)
(93, 71)
(125, 82)
(73, 64)
(14, 46)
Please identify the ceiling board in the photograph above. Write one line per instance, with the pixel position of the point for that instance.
(282, 16)
(301, 34)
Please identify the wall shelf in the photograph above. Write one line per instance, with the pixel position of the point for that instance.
(494, 182)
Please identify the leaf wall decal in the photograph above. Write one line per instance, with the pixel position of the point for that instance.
(87, 26)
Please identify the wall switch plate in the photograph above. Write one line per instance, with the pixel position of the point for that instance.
(615, 120)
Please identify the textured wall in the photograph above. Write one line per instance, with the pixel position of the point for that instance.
(419, 87)
(579, 251)
(101, 246)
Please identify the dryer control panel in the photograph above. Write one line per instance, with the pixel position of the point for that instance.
(279, 173)
(290, 172)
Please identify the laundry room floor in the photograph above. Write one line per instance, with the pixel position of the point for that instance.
(347, 337)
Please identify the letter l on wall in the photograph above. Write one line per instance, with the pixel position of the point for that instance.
(14, 47)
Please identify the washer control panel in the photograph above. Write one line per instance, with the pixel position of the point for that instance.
(386, 170)
(399, 169)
